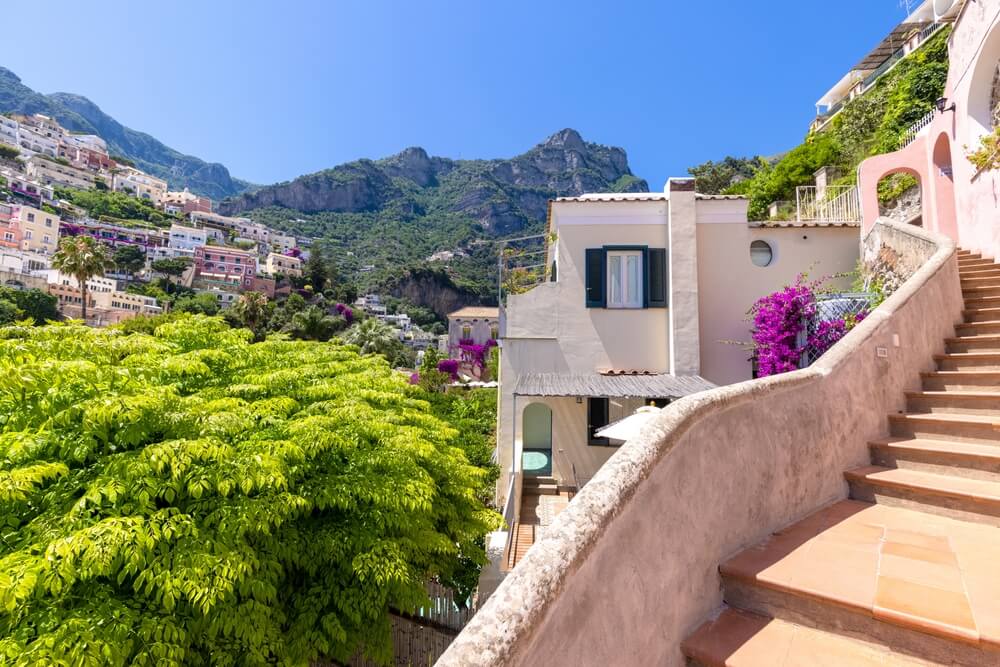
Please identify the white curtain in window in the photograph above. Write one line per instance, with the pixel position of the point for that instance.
(634, 296)
(616, 278)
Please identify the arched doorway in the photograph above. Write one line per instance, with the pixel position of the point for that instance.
(944, 189)
(901, 197)
(536, 428)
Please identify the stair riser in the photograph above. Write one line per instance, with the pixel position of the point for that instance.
(974, 346)
(975, 433)
(972, 274)
(955, 406)
(937, 463)
(963, 509)
(969, 364)
(981, 315)
(962, 384)
(970, 294)
(975, 264)
(859, 624)
(977, 328)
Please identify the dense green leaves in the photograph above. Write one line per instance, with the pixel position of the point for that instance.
(190, 498)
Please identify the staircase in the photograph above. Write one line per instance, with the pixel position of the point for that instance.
(541, 500)
(907, 571)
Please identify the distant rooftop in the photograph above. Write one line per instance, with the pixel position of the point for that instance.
(636, 196)
(476, 311)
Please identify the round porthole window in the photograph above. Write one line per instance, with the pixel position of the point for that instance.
(761, 253)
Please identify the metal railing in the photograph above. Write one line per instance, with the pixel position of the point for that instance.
(834, 203)
(914, 130)
(522, 264)
(829, 307)
(508, 515)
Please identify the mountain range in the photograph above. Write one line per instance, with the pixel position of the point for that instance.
(419, 226)
(78, 114)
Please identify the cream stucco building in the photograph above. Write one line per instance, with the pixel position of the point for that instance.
(646, 294)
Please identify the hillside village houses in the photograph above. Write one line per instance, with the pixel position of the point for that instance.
(30, 229)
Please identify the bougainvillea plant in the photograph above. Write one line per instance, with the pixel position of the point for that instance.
(781, 318)
(475, 355)
(345, 312)
(778, 320)
(449, 366)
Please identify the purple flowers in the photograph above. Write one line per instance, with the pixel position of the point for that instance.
(449, 366)
(779, 321)
(475, 355)
(345, 312)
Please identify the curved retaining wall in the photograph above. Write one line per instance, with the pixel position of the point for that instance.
(630, 568)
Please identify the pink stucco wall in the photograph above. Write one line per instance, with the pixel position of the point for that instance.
(958, 201)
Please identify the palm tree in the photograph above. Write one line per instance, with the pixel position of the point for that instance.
(83, 258)
(372, 336)
(251, 309)
(312, 324)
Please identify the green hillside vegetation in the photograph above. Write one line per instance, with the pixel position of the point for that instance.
(871, 124)
(190, 498)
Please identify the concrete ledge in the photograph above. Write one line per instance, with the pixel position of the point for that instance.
(631, 566)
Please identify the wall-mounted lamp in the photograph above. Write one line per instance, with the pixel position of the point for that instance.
(579, 400)
(941, 104)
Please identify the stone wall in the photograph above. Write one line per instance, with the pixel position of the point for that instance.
(892, 253)
(903, 208)
(630, 568)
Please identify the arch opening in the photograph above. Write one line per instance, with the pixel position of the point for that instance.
(536, 436)
(901, 196)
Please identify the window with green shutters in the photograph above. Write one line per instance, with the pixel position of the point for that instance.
(626, 277)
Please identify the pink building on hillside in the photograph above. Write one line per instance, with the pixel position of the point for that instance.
(229, 265)
(958, 200)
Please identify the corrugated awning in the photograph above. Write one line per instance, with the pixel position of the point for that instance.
(612, 386)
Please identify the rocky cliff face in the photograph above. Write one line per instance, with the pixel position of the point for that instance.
(502, 196)
(79, 114)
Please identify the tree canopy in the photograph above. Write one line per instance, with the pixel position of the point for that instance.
(191, 498)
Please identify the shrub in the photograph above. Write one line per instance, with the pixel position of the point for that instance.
(190, 498)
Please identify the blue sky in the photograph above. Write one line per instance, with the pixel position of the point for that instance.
(277, 89)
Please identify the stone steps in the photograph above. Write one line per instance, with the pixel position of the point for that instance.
(943, 457)
(977, 428)
(972, 361)
(904, 573)
(953, 402)
(981, 381)
(984, 343)
(973, 500)
(738, 638)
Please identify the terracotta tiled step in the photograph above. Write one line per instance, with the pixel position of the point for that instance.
(986, 281)
(975, 263)
(979, 292)
(982, 302)
(540, 486)
(954, 402)
(972, 500)
(962, 252)
(984, 343)
(974, 361)
(922, 584)
(740, 639)
(992, 271)
(942, 457)
(986, 314)
(981, 381)
(982, 429)
(977, 328)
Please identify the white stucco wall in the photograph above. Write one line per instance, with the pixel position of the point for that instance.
(729, 283)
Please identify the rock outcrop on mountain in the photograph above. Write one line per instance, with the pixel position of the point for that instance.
(502, 195)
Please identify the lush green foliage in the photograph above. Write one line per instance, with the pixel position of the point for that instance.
(987, 155)
(18, 304)
(191, 498)
(116, 205)
(130, 259)
(172, 266)
(871, 124)
(8, 152)
(715, 177)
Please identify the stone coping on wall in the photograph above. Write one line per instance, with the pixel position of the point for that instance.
(511, 620)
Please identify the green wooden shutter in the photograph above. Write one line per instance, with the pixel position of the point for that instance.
(596, 276)
(656, 278)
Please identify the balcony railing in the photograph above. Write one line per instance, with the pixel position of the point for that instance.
(834, 203)
(914, 130)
